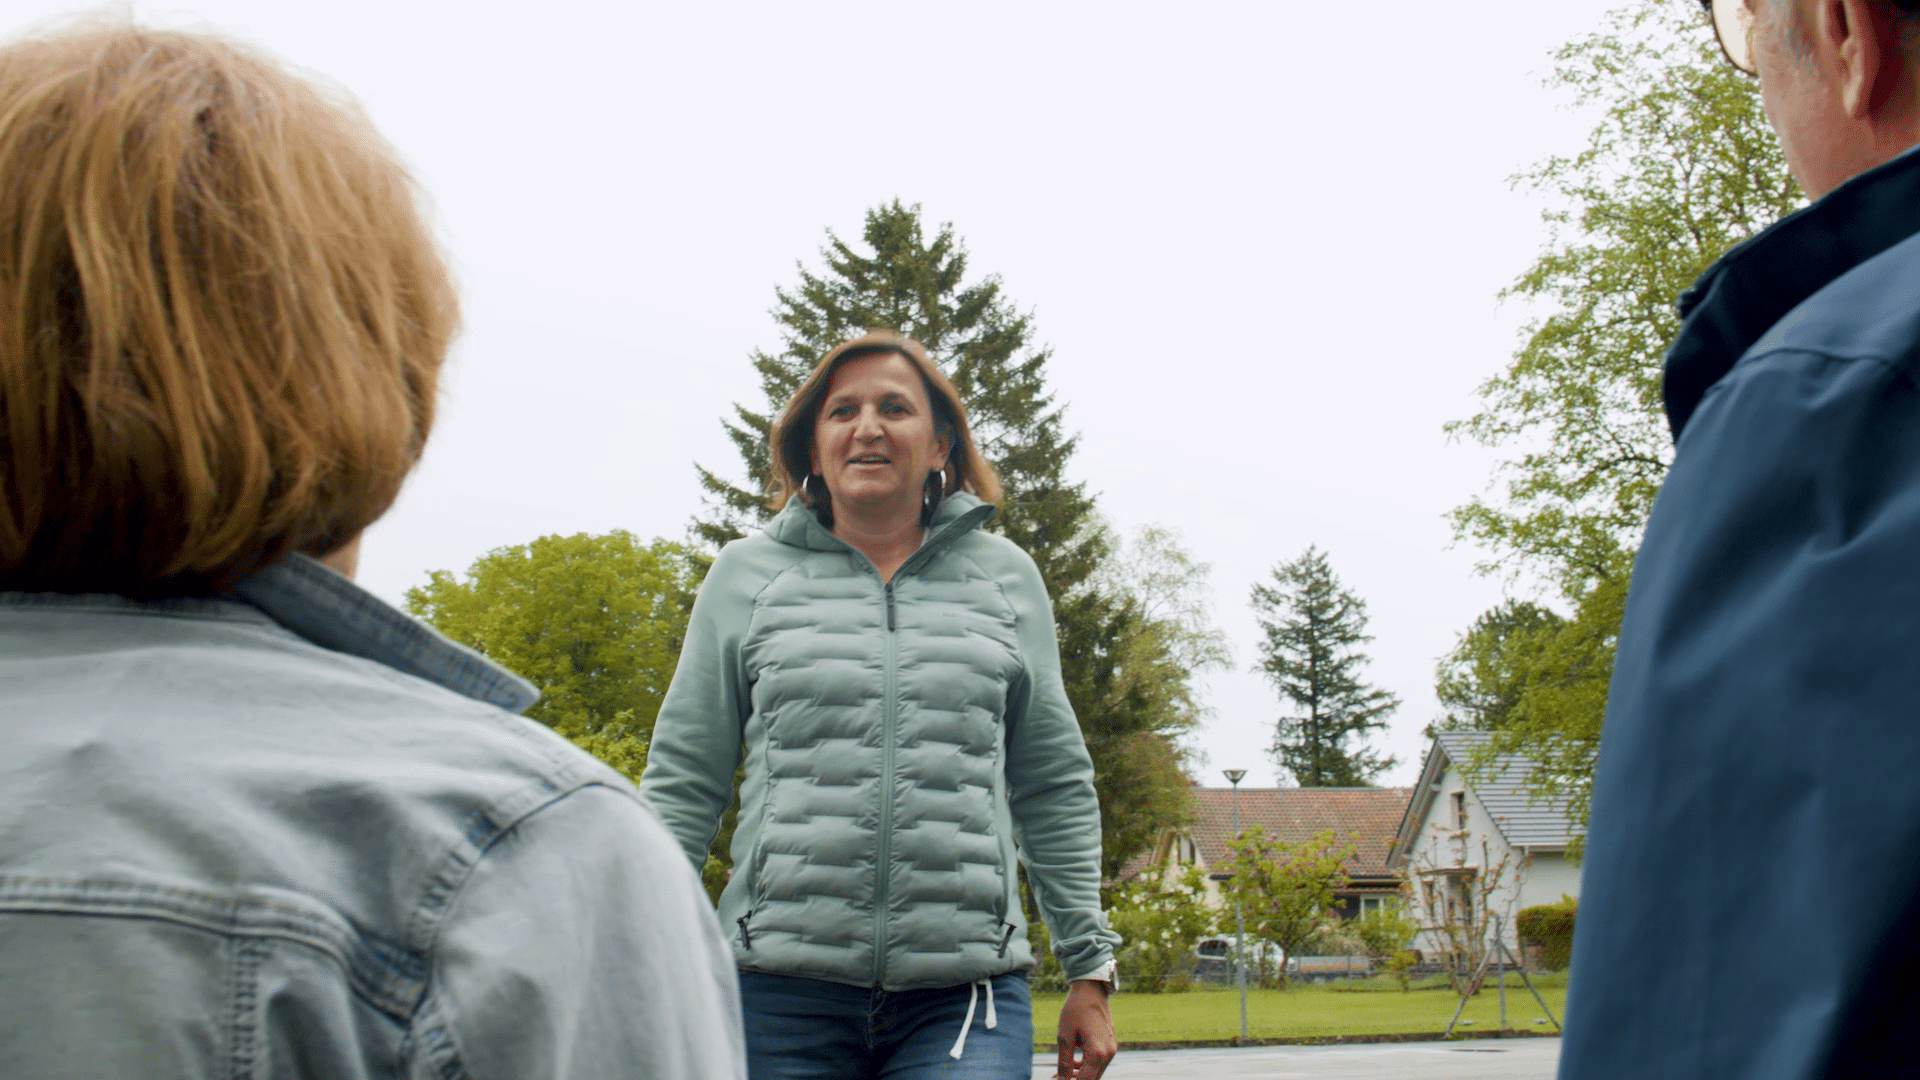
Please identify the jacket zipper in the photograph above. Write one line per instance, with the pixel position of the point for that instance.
(882, 865)
(888, 749)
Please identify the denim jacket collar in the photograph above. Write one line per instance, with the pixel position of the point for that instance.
(334, 613)
(327, 609)
(1759, 280)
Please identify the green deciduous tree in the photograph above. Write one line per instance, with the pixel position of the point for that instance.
(1386, 929)
(1133, 702)
(1121, 664)
(1481, 682)
(1387, 932)
(1538, 680)
(1140, 633)
(1680, 167)
(1313, 629)
(596, 622)
(1172, 590)
(1286, 891)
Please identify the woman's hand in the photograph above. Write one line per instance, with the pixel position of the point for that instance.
(1086, 1032)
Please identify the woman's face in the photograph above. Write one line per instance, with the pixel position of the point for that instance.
(875, 441)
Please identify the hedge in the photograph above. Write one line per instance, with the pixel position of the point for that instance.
(1551, 927)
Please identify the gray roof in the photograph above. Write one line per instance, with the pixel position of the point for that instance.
(1524, 820)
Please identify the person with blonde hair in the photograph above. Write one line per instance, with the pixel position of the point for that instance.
(890, 673)
(253, 821)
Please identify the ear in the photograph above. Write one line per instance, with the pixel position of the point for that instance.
(1865, 37)
(943, 445)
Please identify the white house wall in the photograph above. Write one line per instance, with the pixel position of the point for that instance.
(1550, 877)
(1529, 879)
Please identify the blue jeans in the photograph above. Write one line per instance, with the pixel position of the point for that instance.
(808, 1029)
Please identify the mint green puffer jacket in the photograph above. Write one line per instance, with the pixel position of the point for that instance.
(902, 741)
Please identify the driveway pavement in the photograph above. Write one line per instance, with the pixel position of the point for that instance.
(1485, 1059)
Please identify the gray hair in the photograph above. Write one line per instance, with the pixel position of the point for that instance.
(1801, 41)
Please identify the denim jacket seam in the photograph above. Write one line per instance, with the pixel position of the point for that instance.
(481, 831)
(431, 1021)
(436, 1044)
(209, 609)
(371, 971)
(242, 999)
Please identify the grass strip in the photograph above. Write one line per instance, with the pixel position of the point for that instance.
(1318, 1013)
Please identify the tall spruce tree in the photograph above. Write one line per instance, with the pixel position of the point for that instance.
(974, 333)
(1311, 654)
(904, 280)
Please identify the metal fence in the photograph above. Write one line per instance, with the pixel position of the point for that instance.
(1324, 998)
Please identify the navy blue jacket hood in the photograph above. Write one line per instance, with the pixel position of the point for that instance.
(1747, 290)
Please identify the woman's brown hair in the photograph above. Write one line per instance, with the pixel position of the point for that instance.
(222, 317)
(792, 435)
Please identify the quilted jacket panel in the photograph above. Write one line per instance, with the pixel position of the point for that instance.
(888, 731)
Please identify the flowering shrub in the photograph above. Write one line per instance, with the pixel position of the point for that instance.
(1161, 917)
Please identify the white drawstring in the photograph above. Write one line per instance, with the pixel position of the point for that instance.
(993, 1019)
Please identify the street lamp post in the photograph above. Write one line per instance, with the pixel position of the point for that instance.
(1234, 776)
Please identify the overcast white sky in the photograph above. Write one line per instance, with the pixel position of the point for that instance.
(1263, 239)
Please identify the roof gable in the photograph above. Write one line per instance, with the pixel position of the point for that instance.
(1524, 820)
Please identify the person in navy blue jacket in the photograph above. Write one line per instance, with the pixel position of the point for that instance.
(1752, 896)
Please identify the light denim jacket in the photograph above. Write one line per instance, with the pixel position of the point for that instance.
(294, 833)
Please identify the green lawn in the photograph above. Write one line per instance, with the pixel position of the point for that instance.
(1323, 1009)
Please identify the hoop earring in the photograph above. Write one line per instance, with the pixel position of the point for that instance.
(818, 499)
(932, 492)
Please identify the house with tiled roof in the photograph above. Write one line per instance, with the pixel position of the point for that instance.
(1483, 844)
(1292, 815)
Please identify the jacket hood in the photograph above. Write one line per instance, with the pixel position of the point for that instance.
(957, 513)
(1759, 280)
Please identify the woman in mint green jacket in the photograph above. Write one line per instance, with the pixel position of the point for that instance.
(889, 671)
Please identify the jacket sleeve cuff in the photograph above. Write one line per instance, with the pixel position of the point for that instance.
(1102, 970)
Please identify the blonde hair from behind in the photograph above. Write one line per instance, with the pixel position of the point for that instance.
(222, 315)
(792, 434)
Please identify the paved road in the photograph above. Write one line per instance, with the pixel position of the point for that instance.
(1486, 1059)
